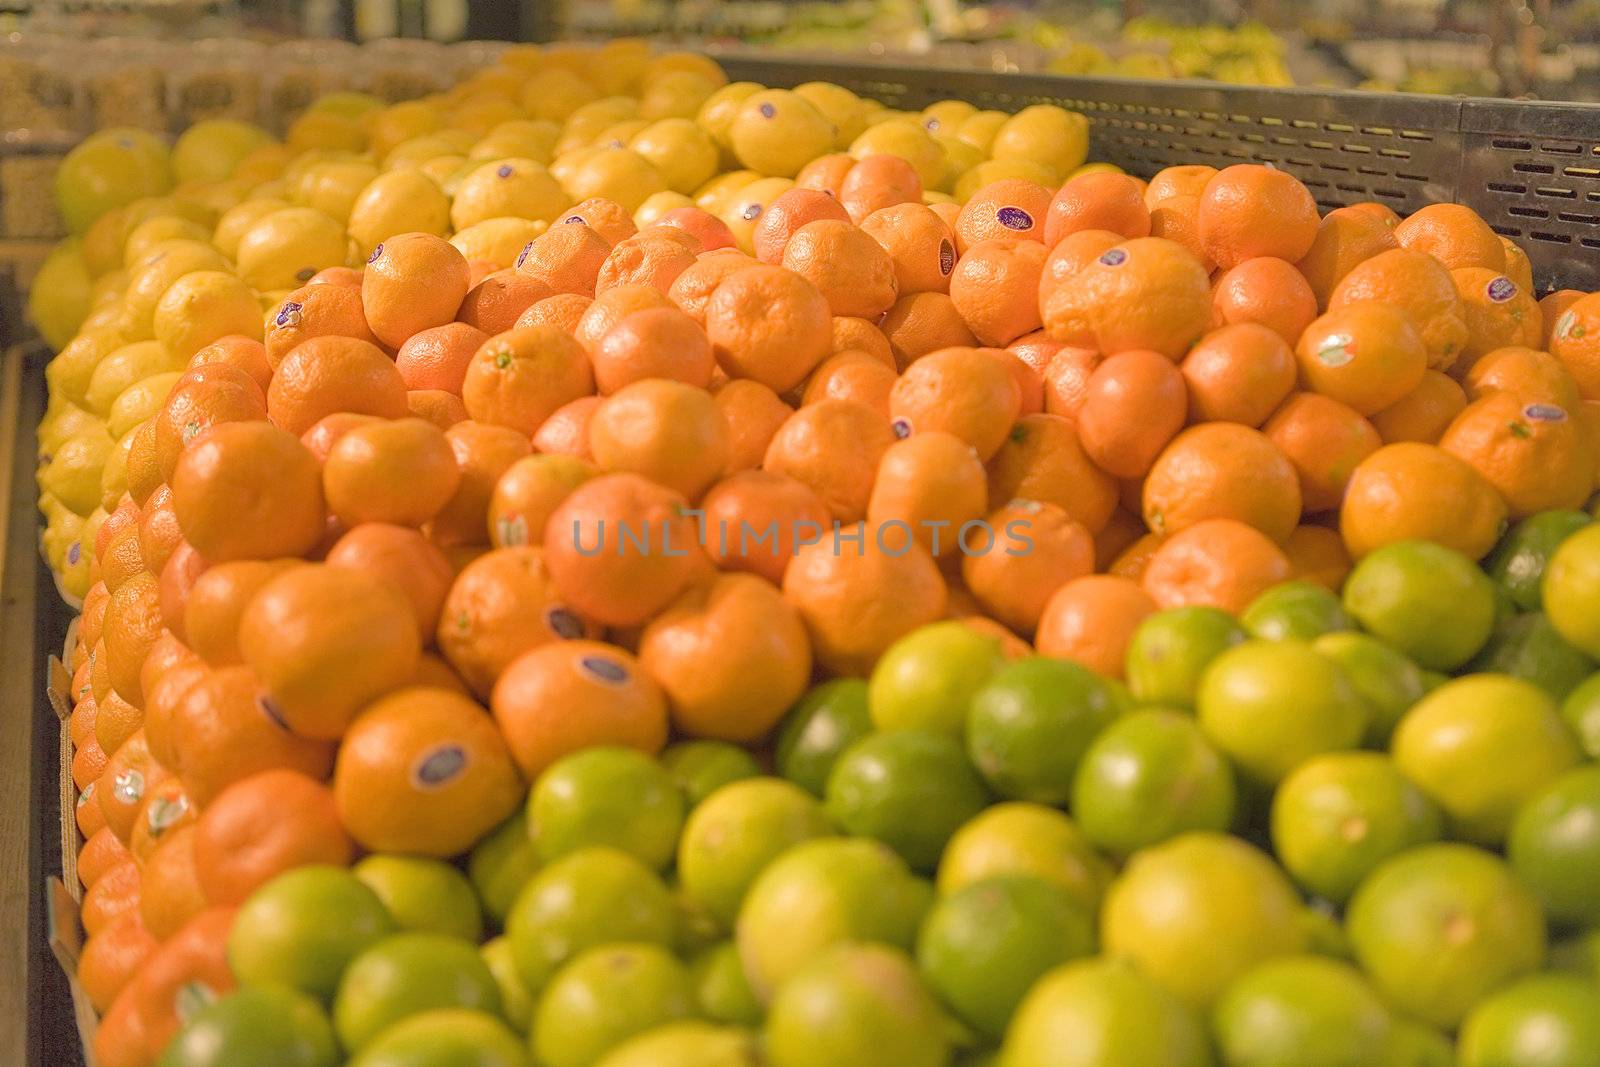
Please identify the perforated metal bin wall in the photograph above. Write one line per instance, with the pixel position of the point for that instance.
(1532, 170)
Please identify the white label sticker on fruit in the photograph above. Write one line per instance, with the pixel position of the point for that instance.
(128, 787)
(1337, 352)
(1567, 326)
(512, 531)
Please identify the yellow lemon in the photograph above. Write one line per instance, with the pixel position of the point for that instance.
(676, 94)
(153, 231)
(618, 174)
(713, 194)
(555, 94)
(946, 116)
(150, 278)
(401, 122)
(73, 473)
(58, 301)
(114, 473)
(286, 248)
(236, 220)
(992, 170)
(398, 201)
(846, 110)
(209, 150)
(498, 240)
(520, 188)
(139, 401)
(202, 306)
(121, 368)
(69, 372)
(263, 165)
(716, 115)
(659, 204)
(323, 130)
(332, 188)
(1046, 134)
(907, 139)
(980, 127)
(418, 150)
(618, 134)
(533, 139)
(684, 153)
(744, 208)
(776, 132)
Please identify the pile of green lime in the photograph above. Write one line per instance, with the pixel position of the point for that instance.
(1338, 830)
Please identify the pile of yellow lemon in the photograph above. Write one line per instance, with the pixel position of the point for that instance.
(173, 247)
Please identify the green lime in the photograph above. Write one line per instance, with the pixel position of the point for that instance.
(617, 797)
(1519, 560)
(1104, 1013)
(926, 680)
(983, 947)
(1388, 681)
(1325, 937)
(405, 975)
(697, 927)
(1272, 705)
(1572, 589)
(605, 996)
(447, 1037)
(501, 864)
(856, 1006)
(825, 722)
(516, 1003)
(1122, 700)
(1549, 1020)
(257, 1026)
(1479, 747)
(1527, 646)
(593, 897)
(1196, 912)
(700, 768)
(910, 789)
(1412, 1044)
(1296, 611)
(821, 893)
(1023, 838)
(1029, 727)
(687, 1044)
(1428, 601)
(1149, 776)
(1432, 680)
(721, 989)
(304, 927)
(1171, 649)
(735, 833)
(1301, 1011)
(1340, 815)
(1555, 846)
(425, 895)
(1581, 710)
(1439, 927)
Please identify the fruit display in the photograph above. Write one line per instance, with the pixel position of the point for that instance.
(608, 567)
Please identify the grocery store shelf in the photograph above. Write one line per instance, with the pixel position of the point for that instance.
(34, 998)
(1532, 170)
